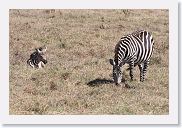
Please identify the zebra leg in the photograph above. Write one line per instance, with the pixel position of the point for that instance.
(141, 72)
(40, 64)
(30, 63)
(145, 69)
(131, 69)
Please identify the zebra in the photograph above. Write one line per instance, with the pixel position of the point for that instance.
(36, 59)
(134, 49)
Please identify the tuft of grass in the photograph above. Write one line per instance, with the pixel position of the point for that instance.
(62, 45)
(53, 86)
(37, 108)
(156, 60)
(126, 12)
(66, 75)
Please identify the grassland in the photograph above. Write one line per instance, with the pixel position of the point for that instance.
(80, 44)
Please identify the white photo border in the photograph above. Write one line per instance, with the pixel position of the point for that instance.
(172, 6)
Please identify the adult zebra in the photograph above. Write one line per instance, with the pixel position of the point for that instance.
(133, 49)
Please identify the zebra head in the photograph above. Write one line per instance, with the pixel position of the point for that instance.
(41, 50)
(117, 75)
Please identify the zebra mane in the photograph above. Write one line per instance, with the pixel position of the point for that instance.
(116, 60)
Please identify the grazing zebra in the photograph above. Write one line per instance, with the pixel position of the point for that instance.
(36, 59)
(133, 49)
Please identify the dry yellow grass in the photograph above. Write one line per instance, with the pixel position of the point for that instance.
(80, 44)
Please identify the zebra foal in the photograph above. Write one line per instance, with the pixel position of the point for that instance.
(37, 60)
(133, 49)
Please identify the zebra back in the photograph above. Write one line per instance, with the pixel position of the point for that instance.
(137, 47)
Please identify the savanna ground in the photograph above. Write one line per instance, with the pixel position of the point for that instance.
(80, 44)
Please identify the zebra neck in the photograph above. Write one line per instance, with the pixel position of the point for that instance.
(118, 60)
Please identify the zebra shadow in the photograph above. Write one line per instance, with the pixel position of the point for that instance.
(99, 81)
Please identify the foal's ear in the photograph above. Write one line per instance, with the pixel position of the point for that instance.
(36, 50)
(111, 61)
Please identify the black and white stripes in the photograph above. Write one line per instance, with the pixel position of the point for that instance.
(37, 60)
(133, 49)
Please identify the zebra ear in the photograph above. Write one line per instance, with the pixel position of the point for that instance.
(111, 61)
(38, 50)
